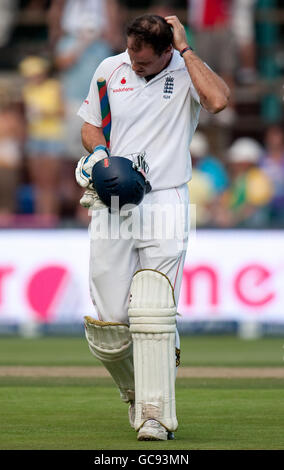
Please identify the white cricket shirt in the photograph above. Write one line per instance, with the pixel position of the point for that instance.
(158, 117)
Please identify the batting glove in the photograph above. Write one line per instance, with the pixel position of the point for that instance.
(91, 200)
(83, 174)
(84, 167)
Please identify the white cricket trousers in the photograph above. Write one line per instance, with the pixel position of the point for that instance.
(152, 236)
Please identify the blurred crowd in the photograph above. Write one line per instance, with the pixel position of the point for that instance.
(245, 188)
(238, 164)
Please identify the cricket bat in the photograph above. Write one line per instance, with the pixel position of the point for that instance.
(105, 109)
(106, 125)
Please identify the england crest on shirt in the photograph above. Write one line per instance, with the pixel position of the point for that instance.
(168, 87)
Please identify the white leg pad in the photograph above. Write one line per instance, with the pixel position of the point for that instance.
(152, 316)
(111, 343)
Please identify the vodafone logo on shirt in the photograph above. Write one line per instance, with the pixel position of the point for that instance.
(123, 81)
(119, 90)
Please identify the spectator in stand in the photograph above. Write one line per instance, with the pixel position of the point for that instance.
(246, 202)
(272, 163)
(163, 7)
(209, 180)
(207, 163)
(12, 134)
(44, 113)
(104, 16)
(84, 33)
(88, 31)
(202, 195)
(244, 33)
(210, 21)
(8, 10)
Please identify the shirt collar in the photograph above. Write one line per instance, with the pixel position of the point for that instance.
(176, 63)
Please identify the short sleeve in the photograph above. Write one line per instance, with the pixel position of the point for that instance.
(89, 110)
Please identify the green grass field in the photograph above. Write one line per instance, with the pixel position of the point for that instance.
(87, 413)
(195, 351)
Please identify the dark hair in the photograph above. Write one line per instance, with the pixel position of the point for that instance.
(152, 30)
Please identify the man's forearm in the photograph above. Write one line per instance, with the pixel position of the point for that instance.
(92, 136)
(213, 92)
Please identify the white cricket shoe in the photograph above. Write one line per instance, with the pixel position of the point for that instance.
(152, 430)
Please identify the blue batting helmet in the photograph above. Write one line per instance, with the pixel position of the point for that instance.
(119, 176)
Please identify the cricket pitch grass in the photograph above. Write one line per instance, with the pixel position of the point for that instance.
(55, 395)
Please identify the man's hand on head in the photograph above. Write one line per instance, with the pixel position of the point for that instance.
(180, 39)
